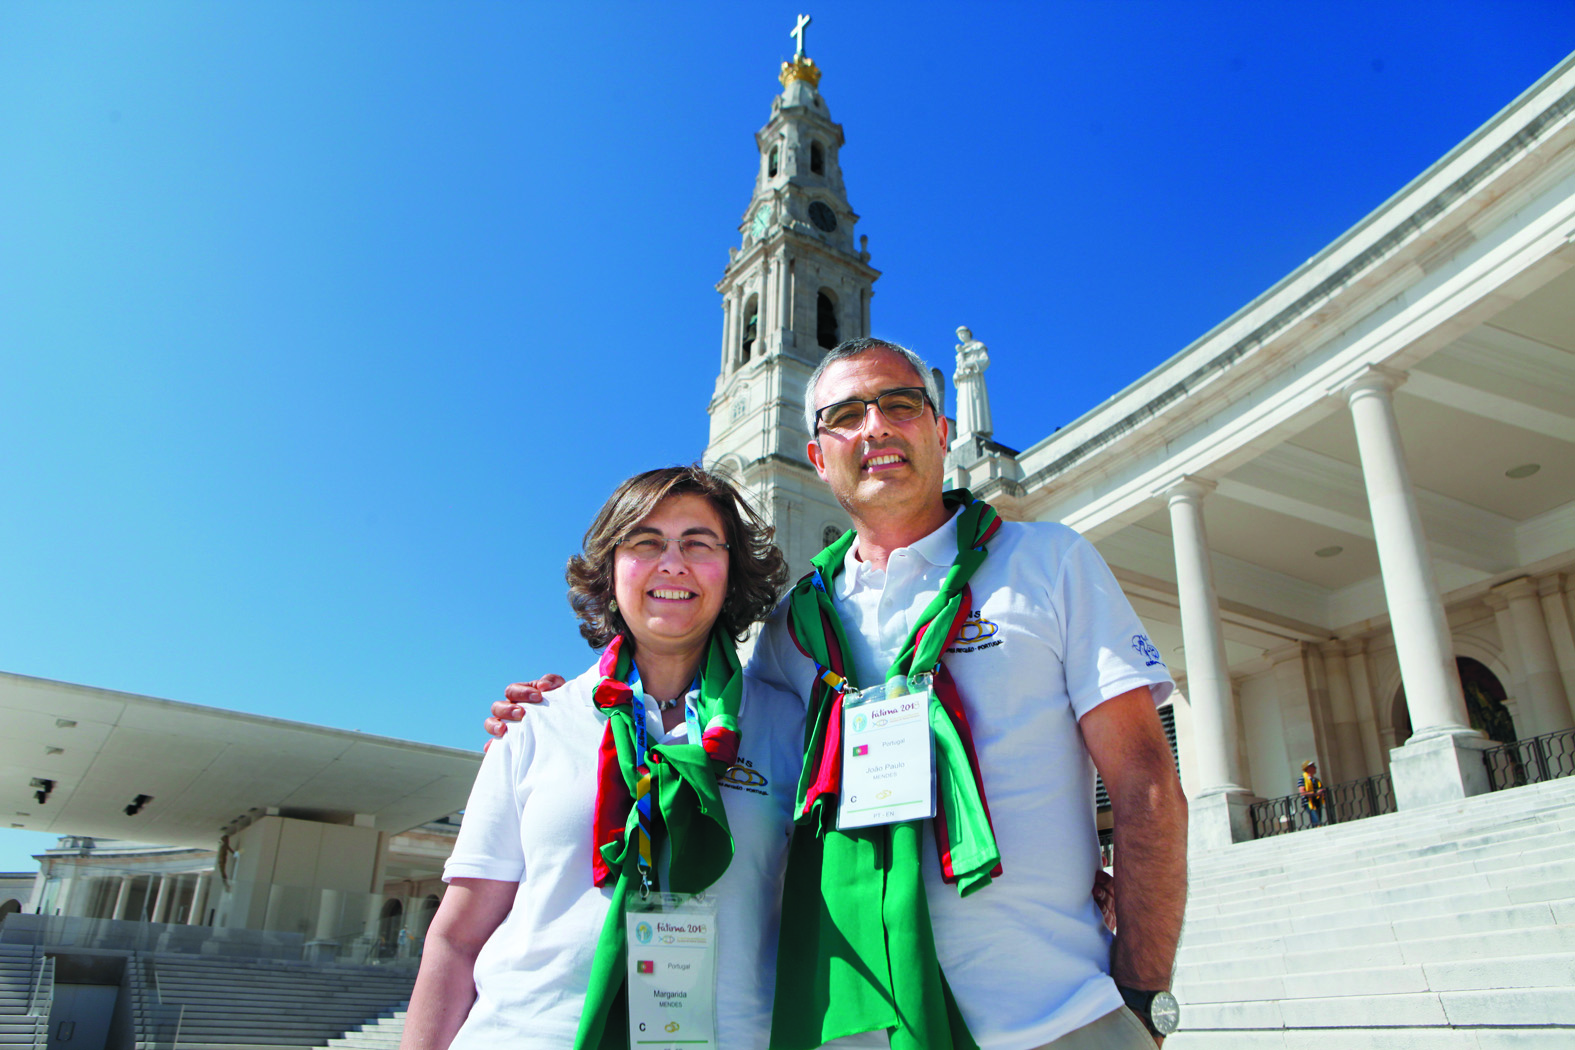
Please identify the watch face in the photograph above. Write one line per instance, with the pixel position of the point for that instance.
(1165, 1013)
(822, 216)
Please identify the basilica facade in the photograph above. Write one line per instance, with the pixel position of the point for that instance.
(1347, 514)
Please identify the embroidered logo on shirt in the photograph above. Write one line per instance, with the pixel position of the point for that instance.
(976, 633)
(1147, 651)
(743, 777)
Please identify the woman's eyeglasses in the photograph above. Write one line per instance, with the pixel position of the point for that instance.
(696, 550)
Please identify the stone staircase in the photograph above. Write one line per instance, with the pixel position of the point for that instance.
(381, 1034)
(18, 972)
(1450, 926)
(240, 1004)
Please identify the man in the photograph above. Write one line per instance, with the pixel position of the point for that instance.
(1312, 792)
(1052, 669)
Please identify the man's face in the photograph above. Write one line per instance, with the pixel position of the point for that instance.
(881, 466)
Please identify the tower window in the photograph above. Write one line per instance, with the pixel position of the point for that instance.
(826, 331)
(817, 159)
(771, 163)
(751, 329)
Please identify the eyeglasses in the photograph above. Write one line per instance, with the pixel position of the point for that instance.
(898, 406)
(696, 550)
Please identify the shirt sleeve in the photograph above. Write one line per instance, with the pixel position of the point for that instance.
(1106, 651)
(488, 845)
(777, 662)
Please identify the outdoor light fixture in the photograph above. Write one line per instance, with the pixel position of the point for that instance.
(137, 804)
(44, 788)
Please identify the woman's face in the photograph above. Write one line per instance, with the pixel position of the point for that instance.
(668, 599)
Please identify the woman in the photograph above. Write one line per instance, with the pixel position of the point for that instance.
(527, 946)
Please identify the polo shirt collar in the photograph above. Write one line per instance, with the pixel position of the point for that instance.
(939, 548)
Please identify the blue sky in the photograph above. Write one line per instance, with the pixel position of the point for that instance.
(325, 327)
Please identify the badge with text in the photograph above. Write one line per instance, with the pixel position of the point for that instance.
(887, 754)
(672, 971)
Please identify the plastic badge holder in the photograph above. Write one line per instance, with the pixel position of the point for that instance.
(888, 754)
(672, 971)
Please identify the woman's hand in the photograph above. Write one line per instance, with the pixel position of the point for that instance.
(511, 707)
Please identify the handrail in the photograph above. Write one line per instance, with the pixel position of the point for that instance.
(38, 980)
(1347, 801)
(1531, 761)
(159, 1010)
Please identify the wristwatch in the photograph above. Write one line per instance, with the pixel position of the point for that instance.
(1158, 1010)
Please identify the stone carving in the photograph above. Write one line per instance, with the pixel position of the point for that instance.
(973, 400)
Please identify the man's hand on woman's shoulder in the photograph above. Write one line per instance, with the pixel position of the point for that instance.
(511, 708)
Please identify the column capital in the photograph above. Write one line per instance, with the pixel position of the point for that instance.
(1371, 379)
(1353, 646)
(1519, 587)
(1552, 583)
(1187, 488)
(1284, 653)
(1333, 647)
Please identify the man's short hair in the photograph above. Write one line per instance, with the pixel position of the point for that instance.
(853, 348)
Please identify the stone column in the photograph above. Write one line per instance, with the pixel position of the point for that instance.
(162, 902)
(727, 333)
(199, 899)
(1350, 757)
(1544, 684)
(1373, 751)
(1219, 812)
(786, 294)
(1556, 613)
(1524, 715)
(1442, 759)
(122, 898)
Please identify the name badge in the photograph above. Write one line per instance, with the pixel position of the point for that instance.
(888, 754)
(672, 971)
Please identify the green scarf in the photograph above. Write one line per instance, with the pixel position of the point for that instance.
(672, 790)
(857, 952)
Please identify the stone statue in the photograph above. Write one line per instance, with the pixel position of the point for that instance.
(973, 400)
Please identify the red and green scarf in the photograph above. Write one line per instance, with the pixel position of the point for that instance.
(857, 952)
(670, 791)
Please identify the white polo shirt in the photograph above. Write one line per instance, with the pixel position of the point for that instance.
(529, 821)
(1051, 638)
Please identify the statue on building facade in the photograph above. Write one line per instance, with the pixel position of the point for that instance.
(973, 400)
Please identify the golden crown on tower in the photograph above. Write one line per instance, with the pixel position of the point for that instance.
(801, 68)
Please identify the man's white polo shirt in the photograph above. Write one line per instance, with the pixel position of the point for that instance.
(1051, 638)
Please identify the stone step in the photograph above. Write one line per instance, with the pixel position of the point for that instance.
(1503, 845)
(1272, 890)
(1529, 1037)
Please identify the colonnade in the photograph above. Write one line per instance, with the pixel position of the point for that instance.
(1441, 759)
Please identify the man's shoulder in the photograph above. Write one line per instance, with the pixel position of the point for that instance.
(1031, 552)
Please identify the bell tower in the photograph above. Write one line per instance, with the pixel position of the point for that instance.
(794, 288)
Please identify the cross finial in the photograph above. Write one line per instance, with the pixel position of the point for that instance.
(798, 34)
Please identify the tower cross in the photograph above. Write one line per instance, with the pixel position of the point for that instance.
(798, 34)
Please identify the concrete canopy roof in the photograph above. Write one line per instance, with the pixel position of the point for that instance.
(204, 767)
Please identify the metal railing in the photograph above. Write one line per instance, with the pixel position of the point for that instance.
(1352, 800)
(1531, 761)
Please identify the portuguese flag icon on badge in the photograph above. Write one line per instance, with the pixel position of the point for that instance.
(646, 966)
(862, 749)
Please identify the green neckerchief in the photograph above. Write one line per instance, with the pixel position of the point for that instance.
(857, 952)
(678, 785)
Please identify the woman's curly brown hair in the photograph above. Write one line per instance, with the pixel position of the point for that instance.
(756, 569)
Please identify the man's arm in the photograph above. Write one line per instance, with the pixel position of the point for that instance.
(1149, 813)
(445, 986)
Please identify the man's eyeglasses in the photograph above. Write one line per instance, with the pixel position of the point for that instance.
(696, 550)
(898, 406)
